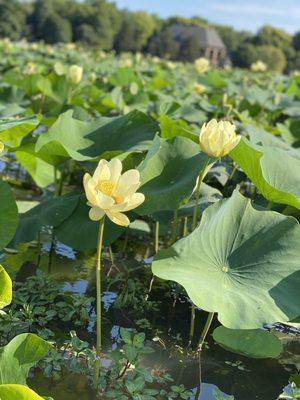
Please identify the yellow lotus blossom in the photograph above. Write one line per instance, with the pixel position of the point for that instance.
(30, 68)
(217, 139)
(1, 147)
(258, 66)
(112, 193)
(75, 74)
(202, 65)
(198, 88)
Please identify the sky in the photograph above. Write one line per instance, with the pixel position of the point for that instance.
(240, 14)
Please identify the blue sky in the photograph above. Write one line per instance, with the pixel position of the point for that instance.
(249, 15)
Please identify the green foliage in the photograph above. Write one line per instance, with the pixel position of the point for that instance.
(12, 18)
(5, 288)
(237, 259)
(19, 355)
(8, 214)
(254, 343)
(18, 392)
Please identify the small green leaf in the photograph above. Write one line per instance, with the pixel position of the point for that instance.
(19, 355)
(18, 392)
(5, 288)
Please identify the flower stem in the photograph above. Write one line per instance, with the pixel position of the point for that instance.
(174, 227)
(197, 196)
(98, 303)
(156, 244)
(205, 330)
(192, 324)
(185, 227)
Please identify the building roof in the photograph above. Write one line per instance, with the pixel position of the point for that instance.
(207, 37)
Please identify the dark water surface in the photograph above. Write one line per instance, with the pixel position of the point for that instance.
(244, 378)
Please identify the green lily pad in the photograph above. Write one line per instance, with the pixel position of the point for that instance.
(5, 288)
(12, 131)
(272, 170)
(79, 232)
(51, 212)
(87, 140)
(241, 263)
(254, 343)
(169, 173)
(19, 355)
(8, 214)
(18, 392)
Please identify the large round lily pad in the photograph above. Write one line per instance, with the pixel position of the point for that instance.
(240, 262)
(254, 343)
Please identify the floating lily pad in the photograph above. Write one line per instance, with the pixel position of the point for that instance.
(240, 262)
(254, 343)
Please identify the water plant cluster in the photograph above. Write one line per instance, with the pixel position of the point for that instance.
(199, 167)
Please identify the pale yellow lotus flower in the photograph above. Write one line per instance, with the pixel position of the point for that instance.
(258, 66)
(217, 139)
(75, 74)
(202, 65)
(112, 193)
(198, 88)
(1, 147)
(30, 68)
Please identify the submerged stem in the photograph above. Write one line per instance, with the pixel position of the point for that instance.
(98, 303)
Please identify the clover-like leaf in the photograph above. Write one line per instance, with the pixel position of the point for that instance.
(240, 262)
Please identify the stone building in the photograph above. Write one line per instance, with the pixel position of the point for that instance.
(190, 42)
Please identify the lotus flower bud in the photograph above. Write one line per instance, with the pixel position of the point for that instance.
(202, 65)
(75, 74)
(217, 139)
(258, 66)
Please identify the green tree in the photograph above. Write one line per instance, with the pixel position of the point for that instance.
(12, 17)
(136, 29)
(296, 41)
(50, 22)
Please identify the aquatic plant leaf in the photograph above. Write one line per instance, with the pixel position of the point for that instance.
(12, 131)
(19, 355)
(8, 214)
(169, 173)
(5, 288)
(254, 343)
(51, 212)
(241, 262)
(272, 170)
(18, 392)
(87, 140)
(79, 232)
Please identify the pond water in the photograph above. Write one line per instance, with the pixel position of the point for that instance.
(244, 378)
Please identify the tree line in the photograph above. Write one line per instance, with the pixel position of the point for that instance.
(101, 24)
